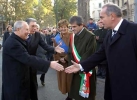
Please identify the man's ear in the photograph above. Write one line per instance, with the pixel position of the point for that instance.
(113, 15)
(18, 29)
(81, 25)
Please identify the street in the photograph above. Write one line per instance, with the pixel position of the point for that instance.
(50, 90)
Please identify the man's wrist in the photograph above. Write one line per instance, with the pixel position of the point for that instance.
(81, 68)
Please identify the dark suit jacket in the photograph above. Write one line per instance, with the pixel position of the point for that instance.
(15, 69)
(40, 51)
(6, 35)
(121, 55)
(36, 40)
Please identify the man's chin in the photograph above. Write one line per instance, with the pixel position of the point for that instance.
(32, 32)
(105, 27)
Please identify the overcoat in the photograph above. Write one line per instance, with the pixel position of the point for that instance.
(15, 69)
(36, 40)
(121, 55)
(64, 79)
(85, 44)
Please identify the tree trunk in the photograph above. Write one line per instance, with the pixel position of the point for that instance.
(83, 9)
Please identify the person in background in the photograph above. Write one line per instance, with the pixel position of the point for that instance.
(7, 33)
(91, 26)
(64, 79)
(100, 36)
(54, 33)
(49, 42)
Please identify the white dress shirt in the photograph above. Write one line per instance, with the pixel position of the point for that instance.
(117, 27)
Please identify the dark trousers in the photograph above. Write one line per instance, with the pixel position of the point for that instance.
(42, 78)
(102, 70)
(33, 85)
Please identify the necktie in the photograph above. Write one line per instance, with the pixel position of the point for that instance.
(113, 34)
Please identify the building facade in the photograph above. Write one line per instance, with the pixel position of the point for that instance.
(95, 7)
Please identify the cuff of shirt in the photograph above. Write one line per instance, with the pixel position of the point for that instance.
(81, 68)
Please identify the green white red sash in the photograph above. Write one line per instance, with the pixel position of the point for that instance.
(85, 83)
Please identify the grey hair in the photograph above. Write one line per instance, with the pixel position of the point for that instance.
(111, 7)
(17, 25)
(78, 19)
(30, 20)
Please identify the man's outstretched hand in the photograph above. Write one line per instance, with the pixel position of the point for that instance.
(73, 68)
(59, 49)
(55, 65)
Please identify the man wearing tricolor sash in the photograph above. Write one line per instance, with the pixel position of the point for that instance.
(82, 45)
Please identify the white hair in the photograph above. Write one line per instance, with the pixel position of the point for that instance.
(18, 24)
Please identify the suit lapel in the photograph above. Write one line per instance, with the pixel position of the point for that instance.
(115, 38)
(121, 31)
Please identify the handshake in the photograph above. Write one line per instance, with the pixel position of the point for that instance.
(70, 69)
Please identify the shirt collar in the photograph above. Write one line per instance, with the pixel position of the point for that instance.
(81, 31)
(118, 25)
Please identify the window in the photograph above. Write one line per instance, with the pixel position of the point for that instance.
(99, 5)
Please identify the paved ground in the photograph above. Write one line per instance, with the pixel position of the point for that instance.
(50, 90)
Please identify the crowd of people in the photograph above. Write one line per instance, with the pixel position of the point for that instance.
(73, 51)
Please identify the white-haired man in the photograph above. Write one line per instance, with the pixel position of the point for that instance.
(16, 62)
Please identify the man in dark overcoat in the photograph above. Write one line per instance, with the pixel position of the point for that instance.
(85, 44)
(33, 41)
(120, 50)
(16, 62)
